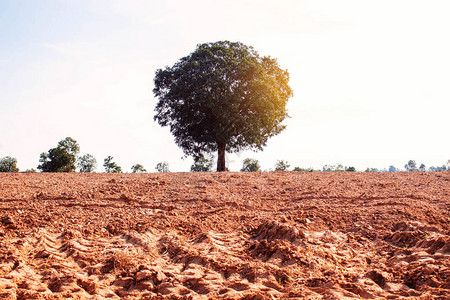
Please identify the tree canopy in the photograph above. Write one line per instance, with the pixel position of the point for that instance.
(250, 165)
(8, 164)
(111, 166)
(60, 159)
(411, 166)
(138, 168)
(162, 167)
(282, 165)
(87, 163)
(222, 97)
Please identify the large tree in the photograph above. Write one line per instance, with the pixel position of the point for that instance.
(60, 159)
(222, 97)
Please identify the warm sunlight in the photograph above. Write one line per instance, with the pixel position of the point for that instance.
(240, 149)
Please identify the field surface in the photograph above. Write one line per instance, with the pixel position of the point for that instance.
(228, 235)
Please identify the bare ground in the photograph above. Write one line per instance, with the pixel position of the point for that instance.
(228, 235)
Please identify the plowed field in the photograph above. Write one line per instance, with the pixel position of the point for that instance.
(228, 235)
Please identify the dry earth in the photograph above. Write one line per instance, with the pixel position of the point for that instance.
(229, 235)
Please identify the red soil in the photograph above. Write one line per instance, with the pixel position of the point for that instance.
(229, 235)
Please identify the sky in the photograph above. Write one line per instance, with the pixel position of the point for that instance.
(371, 79)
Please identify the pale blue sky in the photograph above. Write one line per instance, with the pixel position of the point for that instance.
(371, 79)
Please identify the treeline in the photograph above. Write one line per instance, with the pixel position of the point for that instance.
(64, 158)
(252, 165)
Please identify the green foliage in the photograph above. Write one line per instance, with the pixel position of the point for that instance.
(32, 170)
(60, 159)
(138, 168)
(350, 169)
(69, 145)
(392, 169)
(298, 169)
(411, 166)
(222, 97)
(371, 170)
(250, 165)
(435, 169)
(111, 166)
(202, 164)
(8, 164)
(282, 165)
(87, 163)
(332, 168)
(162, 167)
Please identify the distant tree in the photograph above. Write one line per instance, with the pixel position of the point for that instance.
(350, 169)
(202, 164)
(87, 163)
(393, 169)
(60, 159)
(435, 169)
(32, 170)
(282, 165)
(371, 170)
(138, 168)
(222, 97)
(298, 169)
(162, 167)
(327, 168)
(8, 164)
(111, 166)
(411, 166)
(332, 168)
(250, 165)
(422, 168)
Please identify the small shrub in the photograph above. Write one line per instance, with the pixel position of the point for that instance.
(328, 168)
(298, 169)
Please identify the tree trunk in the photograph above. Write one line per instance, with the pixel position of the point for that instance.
(221, 157)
